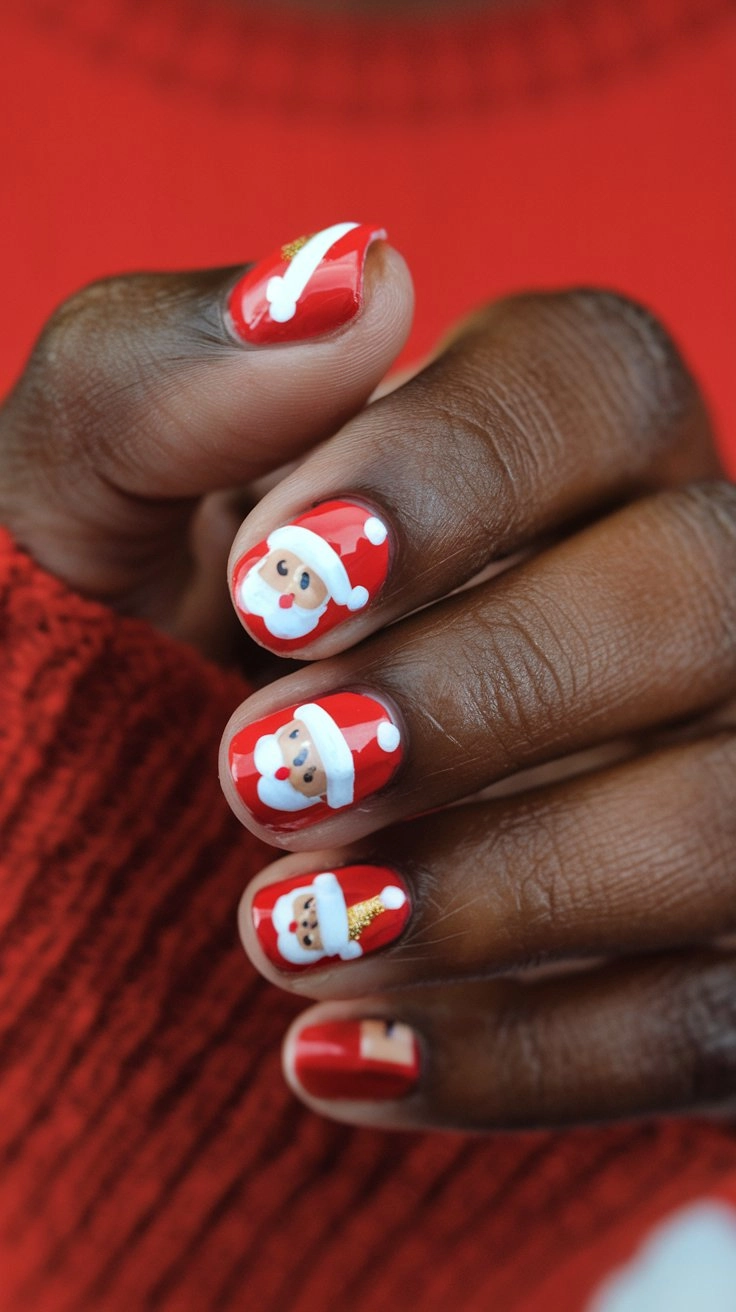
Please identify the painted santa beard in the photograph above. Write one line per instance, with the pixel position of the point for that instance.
(258, 597)
(278, 794)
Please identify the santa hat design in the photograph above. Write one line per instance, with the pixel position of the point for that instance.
(375, 740)
(350, 570)
(340, 926)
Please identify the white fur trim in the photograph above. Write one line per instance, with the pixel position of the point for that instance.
(336, 756)
(375, 530)
(388, 736)
(283, 290)
(392, 897)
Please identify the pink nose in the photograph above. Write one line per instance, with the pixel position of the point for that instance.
(286, 600)
(282, 772)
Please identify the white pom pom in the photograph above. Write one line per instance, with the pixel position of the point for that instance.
(358, 597)
(281, 304)
(392, 897)
(375, 531)
(388, 736)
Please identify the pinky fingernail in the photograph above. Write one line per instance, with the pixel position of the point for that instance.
(371, 1059)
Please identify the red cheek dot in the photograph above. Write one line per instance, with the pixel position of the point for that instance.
(292, 927)
(282, 772)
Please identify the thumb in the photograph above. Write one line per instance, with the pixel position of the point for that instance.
(145, 392)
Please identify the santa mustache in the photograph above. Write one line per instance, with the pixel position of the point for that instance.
(278, 794)
(258, 597)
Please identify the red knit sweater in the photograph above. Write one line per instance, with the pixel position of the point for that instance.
(152, 1157)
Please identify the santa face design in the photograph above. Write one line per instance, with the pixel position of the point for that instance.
(289, 597)
(340, 914)
(310, 760)
(307, 933)
(312, 574)
(292, 773)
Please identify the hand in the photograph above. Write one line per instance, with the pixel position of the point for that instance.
(565, 431)
(151, 402)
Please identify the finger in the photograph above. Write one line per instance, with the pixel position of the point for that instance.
(627, 625)
(634, 859)
(146, 391)
(543, 409)
(629, 1039)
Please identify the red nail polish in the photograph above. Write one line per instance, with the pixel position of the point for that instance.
(366, 1059)
(305, 762)
(334, 916)
(308, 576)
(308, 287)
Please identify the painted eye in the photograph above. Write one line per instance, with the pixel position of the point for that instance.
(294, 733)
(301, 758)
(304, 581)
(282, 568)
(308, 777)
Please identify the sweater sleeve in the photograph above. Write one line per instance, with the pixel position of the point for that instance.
(151, 1155)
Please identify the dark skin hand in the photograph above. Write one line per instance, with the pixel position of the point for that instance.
(562, 430)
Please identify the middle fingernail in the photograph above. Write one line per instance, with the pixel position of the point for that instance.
(300, 764)
(310, 575)
(340, 915)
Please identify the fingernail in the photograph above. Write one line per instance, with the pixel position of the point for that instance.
(309, 287)
(369, 1059)
(305, 762)
(341, 915)
(311, 575)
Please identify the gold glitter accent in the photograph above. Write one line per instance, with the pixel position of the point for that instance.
(293, 247)
(362, 915)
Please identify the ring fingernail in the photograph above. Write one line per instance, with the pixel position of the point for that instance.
(311, 575)
(300, 764)
(371, 1059)
(306, 288)
(344, 914)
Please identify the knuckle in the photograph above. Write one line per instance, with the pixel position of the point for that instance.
(702, 538)
(639, 353)
(527, 663)
(707, 1030)
(620, 364)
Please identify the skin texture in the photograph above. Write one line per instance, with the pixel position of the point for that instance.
(560, 435)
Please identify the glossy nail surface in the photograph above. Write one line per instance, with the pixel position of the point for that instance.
(358, 1059)
(339, 915)
(306, 288)
(311, 575)
(305, 762)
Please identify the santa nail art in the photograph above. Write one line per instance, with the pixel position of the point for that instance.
(337, 915)
(305, 762)
(357, 1059)
(311, 575)
(310, 286)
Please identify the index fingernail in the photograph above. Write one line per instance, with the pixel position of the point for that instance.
(311, 575)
